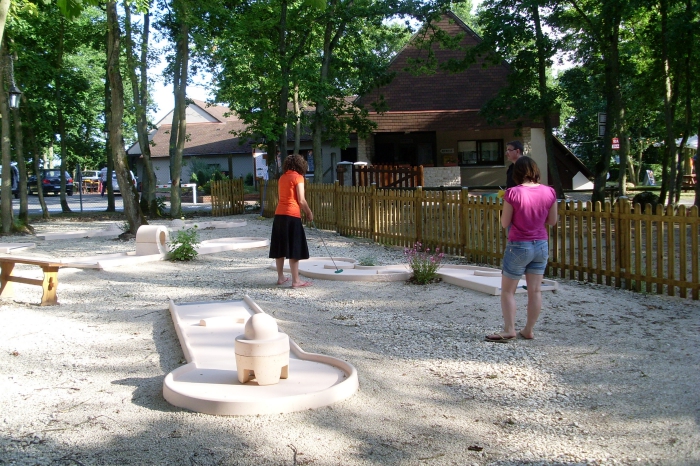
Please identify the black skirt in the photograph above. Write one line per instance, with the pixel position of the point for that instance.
(288, 238)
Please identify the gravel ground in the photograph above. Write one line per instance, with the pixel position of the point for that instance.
(611, 378)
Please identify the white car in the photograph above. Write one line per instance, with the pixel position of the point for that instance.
(115, 183)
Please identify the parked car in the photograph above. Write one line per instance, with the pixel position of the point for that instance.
(14, 179)
(115, 183)
(92, 175)
(50, 182)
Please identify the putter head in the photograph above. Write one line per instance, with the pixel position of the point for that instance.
(339, 271)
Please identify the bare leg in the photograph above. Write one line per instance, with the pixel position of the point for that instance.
(534, 303)
(279, 263)
(294, 267)
(508, 286)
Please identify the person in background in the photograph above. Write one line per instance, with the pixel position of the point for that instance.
(310, 160)
(288, 237)
(527, 209)
(514, 150)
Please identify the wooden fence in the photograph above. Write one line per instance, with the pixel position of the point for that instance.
(653, 252)
(385, 176)
(227, 197)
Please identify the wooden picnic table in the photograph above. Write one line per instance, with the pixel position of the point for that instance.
(49, 283)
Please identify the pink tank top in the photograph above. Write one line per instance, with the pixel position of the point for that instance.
(531, 206)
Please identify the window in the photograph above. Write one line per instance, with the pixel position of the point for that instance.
(480, 152)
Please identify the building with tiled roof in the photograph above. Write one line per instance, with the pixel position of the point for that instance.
(210, 130)
(434, 119)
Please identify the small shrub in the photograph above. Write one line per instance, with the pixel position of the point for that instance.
(160, 204)
(182, 248)
(367, 261)
(249, 179)
(645, 198)
(124, 226)
(423, 263)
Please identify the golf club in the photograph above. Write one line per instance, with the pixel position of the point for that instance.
(337, 270)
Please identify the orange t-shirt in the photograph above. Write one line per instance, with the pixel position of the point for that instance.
(288, 202)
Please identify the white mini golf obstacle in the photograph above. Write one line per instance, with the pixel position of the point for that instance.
(325, 268)
(219, 339)
(112, 230)
(152, 245)
(179, 224)
(483, 279)
(212, 246)
(9, 248)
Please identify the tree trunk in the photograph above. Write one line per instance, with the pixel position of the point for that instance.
(36, 157)
(5, 145)
(61, 118)
(178, 130)
(4, 8)
(6, 202)
(544, 95)
(668, 178)
(284, 90)
(297, 116)
(132, 212)
(139, 88)
(612, 97)
(330, 41)
(22, 167)
(107, 187)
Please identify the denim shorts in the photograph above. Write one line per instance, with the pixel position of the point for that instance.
(523, 257)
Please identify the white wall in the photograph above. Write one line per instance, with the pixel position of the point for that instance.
(538, 152)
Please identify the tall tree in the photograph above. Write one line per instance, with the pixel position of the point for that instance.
(594, 26)
(132, 212)
(513, 31)
(139, 89)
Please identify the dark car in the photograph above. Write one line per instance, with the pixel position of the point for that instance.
(50, 182)
(14, 179)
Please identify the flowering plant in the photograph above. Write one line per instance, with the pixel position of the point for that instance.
(423, 263)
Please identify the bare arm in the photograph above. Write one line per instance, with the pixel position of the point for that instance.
(303, 204)
(553, 215)
(506, 215)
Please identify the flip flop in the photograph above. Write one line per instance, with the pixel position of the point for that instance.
(302, 285)
(520, 335)
(285, 281)
(498, 338)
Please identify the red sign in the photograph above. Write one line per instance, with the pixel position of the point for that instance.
(615, 143)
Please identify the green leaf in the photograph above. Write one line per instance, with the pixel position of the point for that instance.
(317, 4)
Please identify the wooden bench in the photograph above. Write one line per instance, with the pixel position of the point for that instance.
(49, 283)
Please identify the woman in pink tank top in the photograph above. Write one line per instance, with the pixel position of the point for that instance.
(527, 209)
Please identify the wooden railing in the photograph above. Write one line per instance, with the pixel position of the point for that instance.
(227, 197)
(386, 176)
(653, 252)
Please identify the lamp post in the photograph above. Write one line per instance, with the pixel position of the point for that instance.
(14, 92)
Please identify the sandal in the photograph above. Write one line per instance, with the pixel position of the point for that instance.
(498, 338)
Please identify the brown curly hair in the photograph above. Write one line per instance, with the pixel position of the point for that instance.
(295, 163)
(526, 170)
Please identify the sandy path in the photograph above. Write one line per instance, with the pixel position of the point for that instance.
(612, 377)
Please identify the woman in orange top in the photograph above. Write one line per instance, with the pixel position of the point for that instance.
(288, 237)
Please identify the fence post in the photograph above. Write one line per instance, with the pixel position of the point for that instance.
(336, 205)
(418, 202)
(463, 220)
(373, 212)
